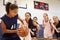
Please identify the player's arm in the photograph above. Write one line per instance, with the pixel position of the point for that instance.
(54, 27)
(20, 19)
(37, 25)
(7, 30)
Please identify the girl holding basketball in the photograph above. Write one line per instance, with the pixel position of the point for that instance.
(9, 23)
(57, 24)
(26, 22)
(48, 27)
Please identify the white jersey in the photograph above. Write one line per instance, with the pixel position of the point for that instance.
(47, 30)
(47, 27)
(28, 37)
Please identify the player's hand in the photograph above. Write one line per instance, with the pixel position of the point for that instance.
(58, 31)
(19, 31)
(32, 33)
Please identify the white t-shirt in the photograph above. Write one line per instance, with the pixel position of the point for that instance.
(28, 37)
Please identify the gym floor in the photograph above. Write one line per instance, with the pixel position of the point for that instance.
(42, 39)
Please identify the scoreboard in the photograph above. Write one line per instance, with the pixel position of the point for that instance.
(41, 5)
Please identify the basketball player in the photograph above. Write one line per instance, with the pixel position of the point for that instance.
(9, 22)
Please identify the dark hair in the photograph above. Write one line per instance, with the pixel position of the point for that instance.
(30, 20)
(34, 17)
(30, 23)
(28, 13)
(10, 6)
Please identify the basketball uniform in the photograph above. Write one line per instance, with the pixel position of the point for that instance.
(57, 26)
(28, 37)
(47, 30)
(11, 24)
(34, 29)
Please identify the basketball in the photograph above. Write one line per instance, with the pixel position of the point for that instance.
(24, 31)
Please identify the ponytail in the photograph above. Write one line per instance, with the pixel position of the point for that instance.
(30, 23)
(7, 7)
(10, 6)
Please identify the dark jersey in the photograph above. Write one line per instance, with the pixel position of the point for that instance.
(11, 24)
(57, 26)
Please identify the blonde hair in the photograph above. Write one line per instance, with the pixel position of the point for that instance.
(55, 17)
(45, 14)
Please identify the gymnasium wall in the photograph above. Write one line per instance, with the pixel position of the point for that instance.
(54, 9)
